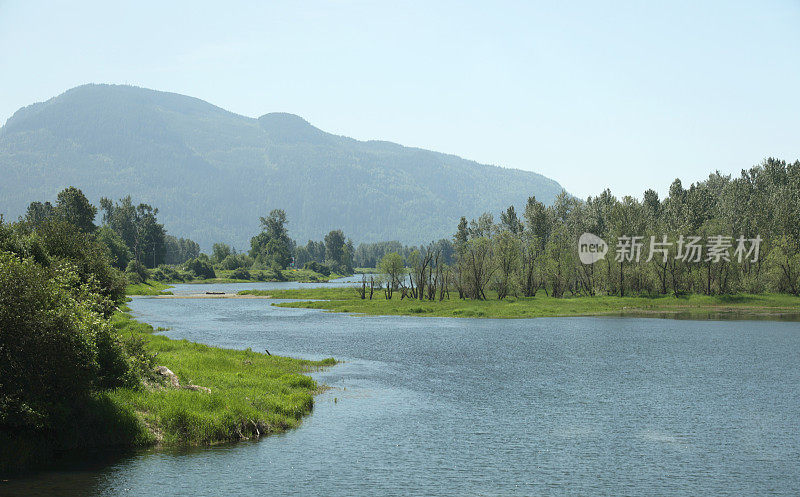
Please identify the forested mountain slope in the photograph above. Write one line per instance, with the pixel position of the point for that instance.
(212, 173)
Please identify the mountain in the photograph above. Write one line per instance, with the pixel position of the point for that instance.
(212, 173)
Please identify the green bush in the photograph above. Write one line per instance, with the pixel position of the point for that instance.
(166, 273)
(135, 272)
(240, 274)
(201, 268)
(236, 261)
(318, 268)
(55, 345)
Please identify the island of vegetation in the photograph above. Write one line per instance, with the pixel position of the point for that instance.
(77, 372)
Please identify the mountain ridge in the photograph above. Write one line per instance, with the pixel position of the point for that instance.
(212, 172)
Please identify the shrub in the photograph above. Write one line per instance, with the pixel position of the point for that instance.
(318, 268)
(201, 267)
(240, 274)
(135, 272)
(236, 261)
(55, 345)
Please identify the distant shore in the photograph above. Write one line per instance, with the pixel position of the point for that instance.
(744, 306)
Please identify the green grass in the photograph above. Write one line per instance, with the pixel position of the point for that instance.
(149, 287)
(346, 300)
(252, 394)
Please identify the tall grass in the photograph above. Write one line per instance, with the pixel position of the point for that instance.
(252, 394)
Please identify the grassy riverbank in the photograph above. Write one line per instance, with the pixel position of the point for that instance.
(252, 395)
(149, 287)
(346, 300)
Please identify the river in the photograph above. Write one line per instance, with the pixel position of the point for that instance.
(440, 406)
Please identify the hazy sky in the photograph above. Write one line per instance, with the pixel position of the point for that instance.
(627, 95)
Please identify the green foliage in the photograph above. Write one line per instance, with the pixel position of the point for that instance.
(118, 252)
(339, 252)
(180, 250)
(167, 273)
(240, 274)
(252, 394)
(219, 252)
(392, 267)
(62, 241)
(135, 272)
(73, 207)
(148, 287)
(540, 252)
(272, 247)
(200, 267)
(138, 228)
(236, 261)
(317, 268)
(55, 344)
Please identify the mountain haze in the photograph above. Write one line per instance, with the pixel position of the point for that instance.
(212, 173)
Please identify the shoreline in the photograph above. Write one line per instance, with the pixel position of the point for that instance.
(345, 300)
(210, 396)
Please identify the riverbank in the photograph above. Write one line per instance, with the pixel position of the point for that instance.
(149, 287)
(244, 395)
(773, 306)
(156, 287)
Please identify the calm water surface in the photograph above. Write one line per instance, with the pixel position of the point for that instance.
(436, 406)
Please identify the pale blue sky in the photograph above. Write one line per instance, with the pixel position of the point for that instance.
(593, 94)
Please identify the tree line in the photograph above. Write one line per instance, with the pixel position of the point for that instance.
(698, 232)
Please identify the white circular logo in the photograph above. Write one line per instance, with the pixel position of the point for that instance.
(591, 248)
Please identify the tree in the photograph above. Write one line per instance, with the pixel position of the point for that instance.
(507, 253)
(391, 266)
(74, 207)
(272, 247)
(201, 267)
(219, 252)
(180, 250)
(784, 263)
(510, 221)
(38, 213)
(55, 346)
(339, 252)
(117, 250)
(138, 227)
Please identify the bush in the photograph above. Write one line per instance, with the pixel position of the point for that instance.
(277, 272)
(240, 274)
(55, 345)
(236, 261)
(166, 273)
(318, 268)
(135, 272)
(201, 268)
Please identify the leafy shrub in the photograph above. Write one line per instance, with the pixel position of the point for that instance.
(54, 342)
(318, 268)
(240, 274)
(201, 267)
(135, 272)
(166, 273)
(236, 261)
